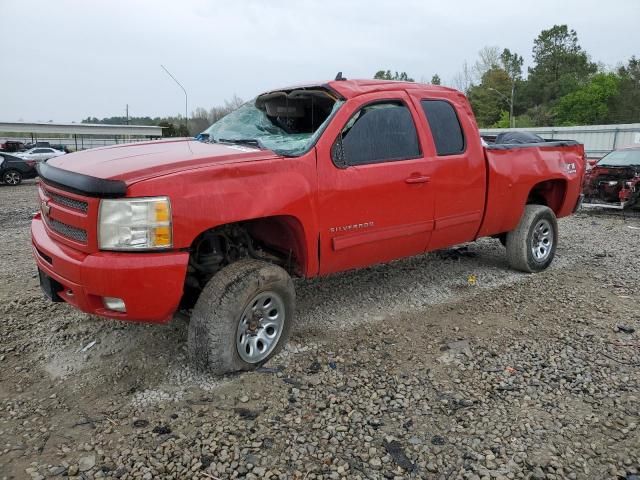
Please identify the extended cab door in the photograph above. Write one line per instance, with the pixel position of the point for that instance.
(457, 162)
(375, 201)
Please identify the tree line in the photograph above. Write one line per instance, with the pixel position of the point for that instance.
(174, 126)
(562, 87)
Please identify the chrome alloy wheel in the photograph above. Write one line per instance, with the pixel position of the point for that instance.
(12, 178)
(260, 327)
(542, 240)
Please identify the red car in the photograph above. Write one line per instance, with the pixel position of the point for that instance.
(614, 181)
(302, 181)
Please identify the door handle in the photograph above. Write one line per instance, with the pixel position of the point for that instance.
(418, 179)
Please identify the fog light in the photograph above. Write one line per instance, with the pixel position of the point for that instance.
(113, 303)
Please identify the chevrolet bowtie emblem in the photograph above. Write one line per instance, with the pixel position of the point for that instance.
(45, 208)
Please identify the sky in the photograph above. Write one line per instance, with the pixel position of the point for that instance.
(64, 60)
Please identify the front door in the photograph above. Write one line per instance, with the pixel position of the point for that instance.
(375, 200)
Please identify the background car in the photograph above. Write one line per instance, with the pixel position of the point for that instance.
(61, 147)
(12, 146)
(31, 145)
(13, 169)
(39, 154)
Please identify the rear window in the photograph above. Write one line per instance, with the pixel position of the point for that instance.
(445, 127)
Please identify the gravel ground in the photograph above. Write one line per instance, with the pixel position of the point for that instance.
(398, 371)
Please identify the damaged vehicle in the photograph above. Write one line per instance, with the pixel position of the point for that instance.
(302, 181)
(614, 182)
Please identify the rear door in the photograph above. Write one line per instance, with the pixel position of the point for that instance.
(39, 154)
(375, 199)
(458, 179)
(48, 153)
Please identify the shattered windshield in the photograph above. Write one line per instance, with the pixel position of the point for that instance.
(621, 158)
(286, 122)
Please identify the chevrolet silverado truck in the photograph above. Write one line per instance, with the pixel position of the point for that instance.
(301, 181)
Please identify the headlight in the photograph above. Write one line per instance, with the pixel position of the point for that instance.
(134, 224)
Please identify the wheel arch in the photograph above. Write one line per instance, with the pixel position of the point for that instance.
(283, 233)
(550, 193)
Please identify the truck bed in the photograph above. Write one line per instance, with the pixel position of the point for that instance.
(514, 171)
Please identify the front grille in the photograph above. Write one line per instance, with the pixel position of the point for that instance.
(68, 202)
(77, 234)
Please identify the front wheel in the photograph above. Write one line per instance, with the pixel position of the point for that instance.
(531, 247)
(12, 177)
(242, 318)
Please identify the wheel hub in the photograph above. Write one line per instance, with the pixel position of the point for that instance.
(542, 240)
(260, 327)
(11, 178)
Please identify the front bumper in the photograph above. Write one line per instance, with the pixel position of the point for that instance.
(150, 284)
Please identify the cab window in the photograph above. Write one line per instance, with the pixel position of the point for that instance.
(378, 132)
(445, 127)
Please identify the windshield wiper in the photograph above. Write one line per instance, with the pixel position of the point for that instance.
(254, 142)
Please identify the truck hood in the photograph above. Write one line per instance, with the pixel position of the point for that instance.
(139, 161)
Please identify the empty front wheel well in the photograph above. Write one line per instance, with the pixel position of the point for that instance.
(278, 240)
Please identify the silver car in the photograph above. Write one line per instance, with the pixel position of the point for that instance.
(39, 154)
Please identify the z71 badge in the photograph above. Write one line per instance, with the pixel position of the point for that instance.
(570, 168)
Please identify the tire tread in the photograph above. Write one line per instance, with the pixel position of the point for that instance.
(212, 329)
(517, 242)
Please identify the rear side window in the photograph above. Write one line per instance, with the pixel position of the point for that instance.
(445, 127)
(40, 150)
(380, 132)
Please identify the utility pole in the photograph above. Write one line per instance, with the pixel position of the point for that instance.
(126, 110)
(186, 116)
(512, 121)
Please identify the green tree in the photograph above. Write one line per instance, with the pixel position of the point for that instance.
(512, 64)
(435, 80)
(182, 131)
(491, 97)
(560, 65)
(590, 104)
(504, 121)
(625, 108)
(387, 75)
(168, 130)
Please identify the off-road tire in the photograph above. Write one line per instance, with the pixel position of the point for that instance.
(520, 241)
(12, 177)
(216, 315)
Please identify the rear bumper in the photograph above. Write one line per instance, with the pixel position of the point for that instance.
(150, 284)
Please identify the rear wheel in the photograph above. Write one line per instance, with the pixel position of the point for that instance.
(242, 318)
(12, 177)
(531, 247)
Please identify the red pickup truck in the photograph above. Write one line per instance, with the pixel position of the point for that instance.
(302, 181)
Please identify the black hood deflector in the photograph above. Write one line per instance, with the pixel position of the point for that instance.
(81, 184)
